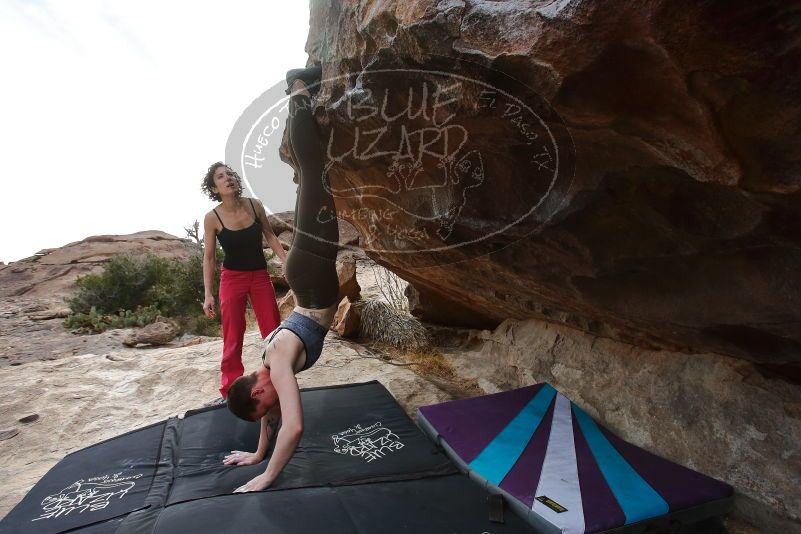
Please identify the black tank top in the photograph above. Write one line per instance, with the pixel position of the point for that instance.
(242, 248)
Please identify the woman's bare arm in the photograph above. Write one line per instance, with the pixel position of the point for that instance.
(209, 263)
(269, 235)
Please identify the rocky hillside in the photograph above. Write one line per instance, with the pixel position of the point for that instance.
(53, 271)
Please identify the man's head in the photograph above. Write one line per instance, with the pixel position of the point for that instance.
(251, 396)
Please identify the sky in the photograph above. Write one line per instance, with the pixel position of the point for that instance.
(112, 111)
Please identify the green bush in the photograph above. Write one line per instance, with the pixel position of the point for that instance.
(94, 322)
(123, 284)
(204, 326)
(133, 290)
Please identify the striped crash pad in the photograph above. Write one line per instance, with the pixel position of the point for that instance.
(564, 472)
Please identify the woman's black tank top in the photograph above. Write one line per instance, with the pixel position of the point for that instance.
(243, 251)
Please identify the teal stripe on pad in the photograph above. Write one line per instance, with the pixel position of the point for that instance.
(500, 455)
(636, 497)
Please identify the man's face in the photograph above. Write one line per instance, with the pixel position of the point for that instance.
(262, 408)
(264, 393)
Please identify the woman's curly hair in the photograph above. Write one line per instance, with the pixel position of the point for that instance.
(208, 181)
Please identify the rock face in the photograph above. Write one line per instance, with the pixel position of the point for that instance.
(628, 170)
(674, 220)
(429, 305)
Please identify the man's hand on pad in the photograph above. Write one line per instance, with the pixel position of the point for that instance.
(242, 458)
(258, 483)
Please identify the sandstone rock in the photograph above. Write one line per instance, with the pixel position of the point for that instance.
(670, 223)
(56, 313)
(285, 238)
(282, 221)
(346, 273)
(278, 278)
(428, 305)
(347, 318)
(8, 433)
(160, 332)
(197, 340)
(24, 340)
(286, 304)
(348, 235)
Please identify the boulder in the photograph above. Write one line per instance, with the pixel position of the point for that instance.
(348, 235)
(346, 273)
(285, 238)
(160, 332)
(347, 318)
(281, 221)
(286, 304)
(278, 278)
(670, 218)
(52, 313)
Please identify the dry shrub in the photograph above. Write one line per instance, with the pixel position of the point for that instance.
(395, 327)
(392, 287)
(429, 362)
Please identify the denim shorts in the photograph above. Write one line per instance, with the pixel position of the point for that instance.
(310, 332)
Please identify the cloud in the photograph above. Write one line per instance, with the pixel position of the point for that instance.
(125, 33)
(113, 111)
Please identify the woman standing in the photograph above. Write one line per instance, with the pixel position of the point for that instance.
(239, 223)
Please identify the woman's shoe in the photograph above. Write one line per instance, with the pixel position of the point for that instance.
(310, 76)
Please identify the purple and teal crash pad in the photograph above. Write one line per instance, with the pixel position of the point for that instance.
(563, 471)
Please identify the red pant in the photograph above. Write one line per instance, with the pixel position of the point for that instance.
(235, 286)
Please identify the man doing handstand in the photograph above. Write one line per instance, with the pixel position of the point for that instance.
(271, 393)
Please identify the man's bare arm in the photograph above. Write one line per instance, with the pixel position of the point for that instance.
(286, 385)
(268, 424)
